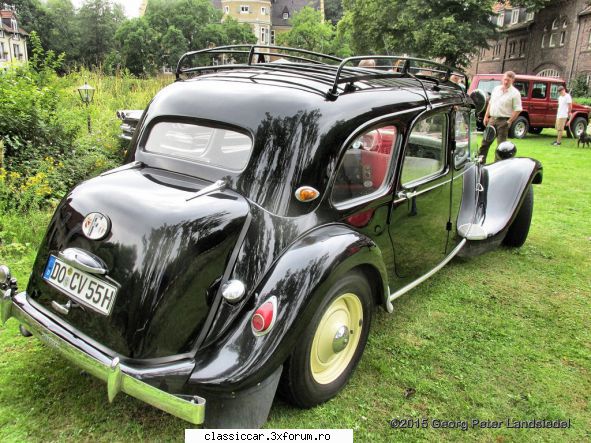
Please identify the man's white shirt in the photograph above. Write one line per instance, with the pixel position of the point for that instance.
(504, 102)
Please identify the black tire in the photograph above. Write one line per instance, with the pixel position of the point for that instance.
(535, 130)
(298, 383)
(519, 127)
(578, 126)
(517, 232)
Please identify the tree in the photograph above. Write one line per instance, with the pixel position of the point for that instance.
(453, 30)
(333, 10)
(63, 34)
(174, 45)
(138, 46)
(310, 32)
(98, 21)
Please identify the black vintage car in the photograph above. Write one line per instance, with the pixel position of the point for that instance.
(271, 199)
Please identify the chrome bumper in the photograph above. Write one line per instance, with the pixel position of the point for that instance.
(117, 375)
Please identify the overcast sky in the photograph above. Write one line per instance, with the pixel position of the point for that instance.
(132, 7)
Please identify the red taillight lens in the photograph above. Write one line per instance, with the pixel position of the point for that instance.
(264, 317)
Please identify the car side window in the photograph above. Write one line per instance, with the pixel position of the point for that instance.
(539, 90)
(554, 91)
(522, 87)
(365, 167)
(488, 85)
(425, 152)
(462, 137)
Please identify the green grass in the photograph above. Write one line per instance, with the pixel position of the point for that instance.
(502, 335)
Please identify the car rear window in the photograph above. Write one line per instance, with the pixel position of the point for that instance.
(217, 147)
(488, 85)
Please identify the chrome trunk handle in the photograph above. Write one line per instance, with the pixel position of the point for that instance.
(84, 261)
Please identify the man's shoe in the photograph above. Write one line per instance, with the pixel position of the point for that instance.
(555, 144)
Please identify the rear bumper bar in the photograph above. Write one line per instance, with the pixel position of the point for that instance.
(118, 376)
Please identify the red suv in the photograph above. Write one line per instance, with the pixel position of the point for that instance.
(539, 97)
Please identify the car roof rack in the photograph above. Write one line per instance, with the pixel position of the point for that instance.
(331, 70)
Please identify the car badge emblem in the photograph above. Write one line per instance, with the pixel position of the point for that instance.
(96, 226)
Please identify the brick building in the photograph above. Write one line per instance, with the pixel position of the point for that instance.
(555, 41)
(13, 43)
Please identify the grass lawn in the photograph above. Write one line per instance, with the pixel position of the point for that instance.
(503, 335)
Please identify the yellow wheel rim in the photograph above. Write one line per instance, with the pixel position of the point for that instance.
(336, 338)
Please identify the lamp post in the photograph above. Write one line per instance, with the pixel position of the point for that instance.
(86, 94)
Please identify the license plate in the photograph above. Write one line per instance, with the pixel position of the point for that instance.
(80, 286)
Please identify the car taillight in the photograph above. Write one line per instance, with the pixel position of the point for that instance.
(263, 318)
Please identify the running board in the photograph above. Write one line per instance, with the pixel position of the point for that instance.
(405, 289)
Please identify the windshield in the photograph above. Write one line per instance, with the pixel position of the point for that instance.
(218, 147)
(488, 85)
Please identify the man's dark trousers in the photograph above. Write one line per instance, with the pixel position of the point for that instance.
(502, 127)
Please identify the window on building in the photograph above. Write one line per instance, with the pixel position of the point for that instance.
(265, 36)
(552, 42)
(514, 16)
(263, 10)
(16, 36)
(555, 24)
(529, 16)
(512, 47)
(2, 52)
(1, 33)
(285, 15)
(522, 47)
(244, 9)
(226, 9)
(272, 36)
(548, 73)
(564, 24)
(13, 24)
(501, 19)
(562, 38)
(17, 54)
(543, 40)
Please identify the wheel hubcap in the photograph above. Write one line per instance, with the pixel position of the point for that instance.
(341, 339)
(336, 338)
(579, 129)
(519, 129)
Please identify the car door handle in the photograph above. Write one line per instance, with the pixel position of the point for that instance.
(407, 194)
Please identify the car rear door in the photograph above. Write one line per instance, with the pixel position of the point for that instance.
(539, 104)
(421, 209)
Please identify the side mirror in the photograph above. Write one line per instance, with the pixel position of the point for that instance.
(479, 98)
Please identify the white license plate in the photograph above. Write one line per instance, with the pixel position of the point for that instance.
(80, 286)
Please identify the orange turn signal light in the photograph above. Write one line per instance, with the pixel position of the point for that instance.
(306, 194)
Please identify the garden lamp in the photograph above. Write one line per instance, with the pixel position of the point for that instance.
(86, 95)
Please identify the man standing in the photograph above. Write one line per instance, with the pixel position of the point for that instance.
(565, 109)
(503, 108)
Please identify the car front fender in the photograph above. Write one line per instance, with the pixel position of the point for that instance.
(299, 279)
(503, 186)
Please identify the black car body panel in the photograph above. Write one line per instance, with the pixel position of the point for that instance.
(160, 307)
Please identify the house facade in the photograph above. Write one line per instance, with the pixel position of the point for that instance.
(268, 18)
(13, 39)
(554, 42)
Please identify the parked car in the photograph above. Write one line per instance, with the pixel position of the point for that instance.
(539, 97)
(265, 209)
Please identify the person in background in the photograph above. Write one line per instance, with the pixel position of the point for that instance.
(503, 108)
(367, 63)
(565, 109)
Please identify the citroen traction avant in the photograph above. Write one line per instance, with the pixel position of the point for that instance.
(270, 200)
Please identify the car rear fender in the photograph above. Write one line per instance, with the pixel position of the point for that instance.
(502, 189)
(299, 279)
(583, 114)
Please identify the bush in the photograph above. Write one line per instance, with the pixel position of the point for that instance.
(45, 147)
(582, 100)
(579, 86)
